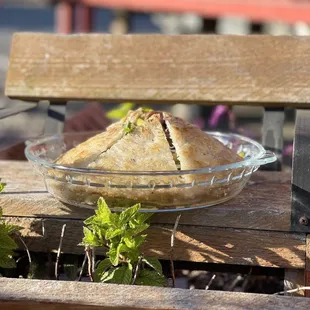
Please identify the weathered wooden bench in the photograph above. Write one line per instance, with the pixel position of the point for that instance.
(267, 225)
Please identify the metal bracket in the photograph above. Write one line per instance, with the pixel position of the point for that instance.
(16, 109)
(272, 135)
(300, 202)
(56, 115)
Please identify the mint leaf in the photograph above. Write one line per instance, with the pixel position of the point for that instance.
(139, 219)
(128, 127)
(101, 269)
(108, 275)
(2, 186)
(121, 111)
(90, 239)
(120, 275)
(6, 242)
(130, 243)
(123, 248)
(6, 259)
(12, 228)
(146, 109)
(154, 263)
(114, 219)
(132, 232)
(129, 213)
(114, 253)
(140, 240)
(134, 242)
(142, 217)
(150, 277)
(111, 233)
(103, 212)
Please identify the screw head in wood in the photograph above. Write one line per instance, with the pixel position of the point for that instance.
(304, 221)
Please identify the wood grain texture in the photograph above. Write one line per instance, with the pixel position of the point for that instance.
(26, 203)
(22, 305)
(294, 278)
(307, 270)
(192, 243)
(205, 69)
(264, 204)
(111, 296)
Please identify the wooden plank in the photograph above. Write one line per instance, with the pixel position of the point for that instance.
(111, 296)
(192, 243)
(300, 220)
(290, 11)
(204, 69)
(294, 278)
(307, 270)
(264, 204)
(22, 305)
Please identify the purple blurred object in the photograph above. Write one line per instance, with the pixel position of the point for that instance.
(216, 114)
(288, 150)
(200, 123)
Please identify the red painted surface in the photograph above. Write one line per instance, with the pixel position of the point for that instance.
(83, 18)
(289, 11)
(64, 17)
(259, 10)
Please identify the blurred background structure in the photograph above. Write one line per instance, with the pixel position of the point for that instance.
(275, 17)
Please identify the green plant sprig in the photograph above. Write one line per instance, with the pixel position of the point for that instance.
(7, 244)
(122, 236)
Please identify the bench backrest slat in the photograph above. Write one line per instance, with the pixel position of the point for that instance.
(205, 69)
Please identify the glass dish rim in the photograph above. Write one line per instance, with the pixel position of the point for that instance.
(261, 158)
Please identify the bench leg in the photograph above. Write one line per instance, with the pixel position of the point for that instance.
(64, 17)
(307, 272)
(272, 135)
(56, 115)
(300, 201)
(294, 278)
(83, 18)
(120, 23)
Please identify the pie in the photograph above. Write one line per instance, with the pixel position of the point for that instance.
(146, 141)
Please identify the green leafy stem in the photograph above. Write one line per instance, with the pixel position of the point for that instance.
(7, 244)
(121, 234)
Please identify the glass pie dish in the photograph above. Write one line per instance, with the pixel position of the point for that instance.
(157, 191)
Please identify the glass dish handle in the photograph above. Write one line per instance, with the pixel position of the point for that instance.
(266, 158)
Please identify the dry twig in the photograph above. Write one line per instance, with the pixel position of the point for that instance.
(88, 251)
(210, 282)
(59, 250)
(82, 268)
(27, 250)
(172, 248)
(137, 270)
(302, 288)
